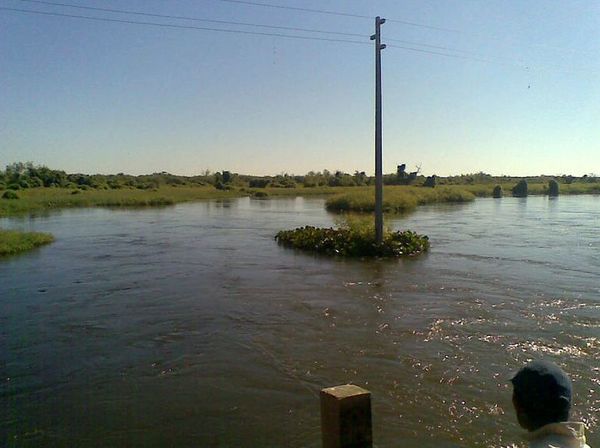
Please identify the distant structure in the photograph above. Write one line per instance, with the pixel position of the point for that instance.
(404, 178)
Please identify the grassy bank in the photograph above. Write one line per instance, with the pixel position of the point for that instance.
(534, 188)
(14, 242)
(396, 199)
(35, 200)
(402, 199)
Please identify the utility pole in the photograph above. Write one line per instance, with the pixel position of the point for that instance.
(378, 128)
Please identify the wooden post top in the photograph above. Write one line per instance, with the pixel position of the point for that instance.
(346, 417)
(345, 391)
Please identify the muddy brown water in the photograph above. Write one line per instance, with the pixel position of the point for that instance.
(189, 326)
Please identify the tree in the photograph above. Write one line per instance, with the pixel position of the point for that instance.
(520, 189)
(430, 181)
(553, 188)
(497, 193)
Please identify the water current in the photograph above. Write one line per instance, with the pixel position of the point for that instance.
(190, 326)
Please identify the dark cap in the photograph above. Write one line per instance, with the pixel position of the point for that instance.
(542, 383)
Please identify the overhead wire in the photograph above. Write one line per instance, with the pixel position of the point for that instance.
(338, 13)
(196, 19)
(228, 22)
(188, 27)
(297, 8)
(429, 49)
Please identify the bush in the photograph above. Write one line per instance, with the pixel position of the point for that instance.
(258, 183)
(13, 187)
(430, 181)
(497, 193)
(76, 192)
(553, 188)
(520, 190)
(10, 194)
(260, 194)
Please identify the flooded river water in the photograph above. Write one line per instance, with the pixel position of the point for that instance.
(190, 326)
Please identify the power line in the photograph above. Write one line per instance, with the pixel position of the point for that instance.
(296, 8)
(518, 64)
(408, 42)
(188, 27)
(399, 21)
(226, 22)
(197, 19)
(338, 13)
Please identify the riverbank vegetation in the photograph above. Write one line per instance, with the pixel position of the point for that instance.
(356, 238)
(28, 188)
(14, 242)
(396, 199)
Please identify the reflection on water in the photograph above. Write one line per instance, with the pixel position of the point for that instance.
(190, 326)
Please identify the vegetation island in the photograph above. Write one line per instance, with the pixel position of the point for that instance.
(26, 188)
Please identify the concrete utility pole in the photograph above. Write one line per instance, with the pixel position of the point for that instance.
(378, 128)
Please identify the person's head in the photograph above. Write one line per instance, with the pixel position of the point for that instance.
(541, 395)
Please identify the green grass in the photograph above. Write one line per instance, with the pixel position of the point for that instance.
(41, 199)
(14, 242)
(396, 199)
(534, 188)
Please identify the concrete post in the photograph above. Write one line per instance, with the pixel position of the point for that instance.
(346, 417)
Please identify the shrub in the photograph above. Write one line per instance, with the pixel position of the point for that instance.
(258, 183)
(260, 194)
(10, 194)
(497, 193)
(553, 188)
(13, 187)
(520, 190)
(76, 192)
(23, 183)
(430, 181)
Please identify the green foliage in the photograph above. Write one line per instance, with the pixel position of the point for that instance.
(497, 193)
(10, 194)
(553, 188)
(13, 242)
(353, 240)
(258, 183)
(260, 194)
(521, 189)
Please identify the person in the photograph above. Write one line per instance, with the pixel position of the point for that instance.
(542, 394)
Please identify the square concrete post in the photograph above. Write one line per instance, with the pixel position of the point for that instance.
(346, 417)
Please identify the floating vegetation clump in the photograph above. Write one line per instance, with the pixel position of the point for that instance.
(13, 241)
(350, 242)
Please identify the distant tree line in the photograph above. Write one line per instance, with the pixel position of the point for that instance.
(22, 175)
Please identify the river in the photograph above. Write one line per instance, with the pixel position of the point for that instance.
(190, 326)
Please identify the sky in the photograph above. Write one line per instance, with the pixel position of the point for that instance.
(501, 86)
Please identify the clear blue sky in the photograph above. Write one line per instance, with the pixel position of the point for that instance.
(89, 96)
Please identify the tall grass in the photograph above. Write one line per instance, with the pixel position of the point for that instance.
(13, 241)
(39, 199)
(396, 199)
